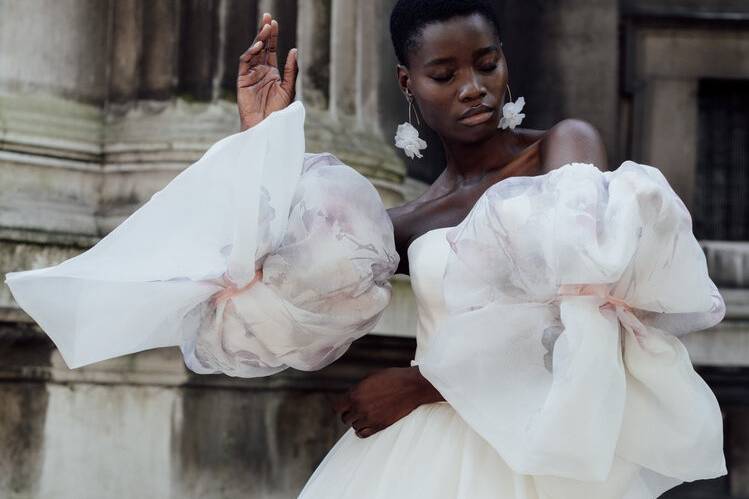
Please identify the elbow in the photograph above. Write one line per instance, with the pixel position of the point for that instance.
(574, 141)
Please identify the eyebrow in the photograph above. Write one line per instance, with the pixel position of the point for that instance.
(485, 50)
(476, 54)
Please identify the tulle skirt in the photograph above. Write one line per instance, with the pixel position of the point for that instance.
(431, 453)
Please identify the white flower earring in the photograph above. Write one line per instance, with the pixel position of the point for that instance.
(511, 115)
(407, 137)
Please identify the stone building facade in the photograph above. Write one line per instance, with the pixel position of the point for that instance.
(102, 102)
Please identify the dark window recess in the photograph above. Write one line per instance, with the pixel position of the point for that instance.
(722, 191)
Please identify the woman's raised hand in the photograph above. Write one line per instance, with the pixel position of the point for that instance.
(260, 88)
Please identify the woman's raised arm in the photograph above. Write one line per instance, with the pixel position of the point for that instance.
(260, 88)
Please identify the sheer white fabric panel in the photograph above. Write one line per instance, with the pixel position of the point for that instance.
(581, 383)
(315, 228)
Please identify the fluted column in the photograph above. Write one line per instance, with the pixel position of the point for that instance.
(367, 65)
(343, 58)
(313, 41)
(160, 38)
(126, 47)
(197, 61)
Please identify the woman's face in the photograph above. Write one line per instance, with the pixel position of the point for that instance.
(457, 74)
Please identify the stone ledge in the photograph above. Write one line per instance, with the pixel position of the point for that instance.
(70, 167)
(728, 262)
(737, 303)
(34, 357)
(726, 345)
(51, 126)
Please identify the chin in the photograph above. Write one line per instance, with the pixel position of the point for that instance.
(478, 133)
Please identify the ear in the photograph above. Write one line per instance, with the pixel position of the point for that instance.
(403, 76)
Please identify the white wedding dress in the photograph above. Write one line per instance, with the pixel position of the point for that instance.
(548, 318)
(431, 453)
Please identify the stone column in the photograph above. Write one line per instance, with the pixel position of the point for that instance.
(160, 39)
(313, 42)
(53, 82)
(343, 59)
(199, 25)
(367, 67)
(54, 48)
(126, 48)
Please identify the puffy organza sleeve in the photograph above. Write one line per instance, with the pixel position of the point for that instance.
(254, 259)
(566, 295)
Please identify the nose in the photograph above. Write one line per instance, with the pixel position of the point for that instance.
(472, 89)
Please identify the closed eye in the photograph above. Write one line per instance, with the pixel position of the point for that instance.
(443, 78)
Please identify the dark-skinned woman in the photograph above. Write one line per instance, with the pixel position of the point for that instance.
(495, 264)
(550, 292)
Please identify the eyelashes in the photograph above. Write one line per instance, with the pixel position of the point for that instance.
(444, 78)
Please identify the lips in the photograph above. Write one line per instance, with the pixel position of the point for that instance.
(482, 108)
(476, 115)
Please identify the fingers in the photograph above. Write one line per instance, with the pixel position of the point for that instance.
(262, 36)
(267, 18)
(364, 429)
(365, 432)
(255, 54)
(272, 46)
(251, 53)
(290, 72)
(349, 418)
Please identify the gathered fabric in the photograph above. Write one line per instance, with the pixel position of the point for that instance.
(566, 294)
(256, 258)
(230, 290)
(600, 290)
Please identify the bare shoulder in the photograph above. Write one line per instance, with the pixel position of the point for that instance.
(402, 217)
(572, 141)
(413, 209)
(397, 212)
(406, 218)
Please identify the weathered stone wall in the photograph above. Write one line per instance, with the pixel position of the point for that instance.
(142, 426)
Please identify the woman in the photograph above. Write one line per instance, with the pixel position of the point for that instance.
(453, 67)
(411, 442)
(519, 240)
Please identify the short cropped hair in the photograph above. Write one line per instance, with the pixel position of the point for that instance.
(409, 17)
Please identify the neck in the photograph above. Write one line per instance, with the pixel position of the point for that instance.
(468, 163)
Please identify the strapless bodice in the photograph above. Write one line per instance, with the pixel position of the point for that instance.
(427, 257)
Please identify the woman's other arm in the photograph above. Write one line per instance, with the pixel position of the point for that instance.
(572, 141)
(383, 398)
